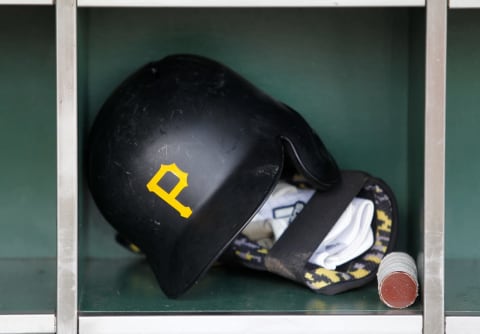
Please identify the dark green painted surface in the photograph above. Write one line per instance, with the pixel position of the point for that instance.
(27, 132)
(27, 286)
(355, 75)
(462, 266)
(463, 129)
(462, 287)
(128, 285)
(416, 133)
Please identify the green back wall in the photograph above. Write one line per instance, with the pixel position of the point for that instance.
(463, 129)
(355, 75)
(27, 132)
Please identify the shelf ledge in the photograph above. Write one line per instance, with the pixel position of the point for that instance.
(464, 325)
(464, 4)
(27, 323)
(251, 3)
(27, 2)
(240, 324)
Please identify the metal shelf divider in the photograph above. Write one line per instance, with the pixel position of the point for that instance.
(67, 170)
(434, 167)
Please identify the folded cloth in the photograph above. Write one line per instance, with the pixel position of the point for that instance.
(350, 236)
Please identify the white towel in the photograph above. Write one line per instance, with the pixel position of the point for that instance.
(351, 236)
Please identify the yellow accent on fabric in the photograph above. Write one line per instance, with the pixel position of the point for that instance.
(309, 276)
(373, 258)
(248, 256)
(263, 251)
(380, 246)
(359, 273)
(330, 274)
(318, 285)
(386, 221)
(171, 197)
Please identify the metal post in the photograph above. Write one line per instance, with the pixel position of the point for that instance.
(434, 214)
(67, 198)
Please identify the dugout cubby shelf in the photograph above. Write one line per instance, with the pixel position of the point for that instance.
(369, 77)
(28, 173)
(315, 63)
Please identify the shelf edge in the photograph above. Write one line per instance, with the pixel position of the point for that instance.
(251, 3)
(464, 325)
(27, 2)
(27, 323)
(240, 324)
(464, 4)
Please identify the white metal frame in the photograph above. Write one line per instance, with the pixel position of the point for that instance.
(434, 170)
(67, 320)
(462, 325)
(26, 2)
(254, 324)
(67, 162)
(251, 3)
(464, 3)
(27, 323)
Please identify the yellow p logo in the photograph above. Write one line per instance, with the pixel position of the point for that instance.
(171, 197)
